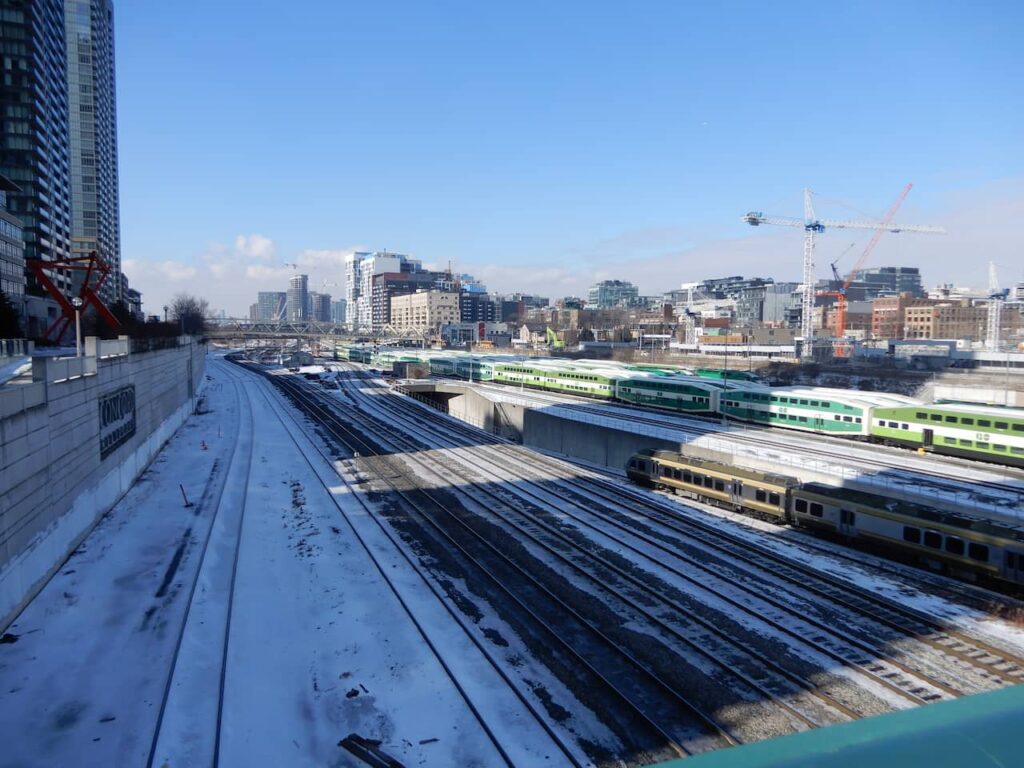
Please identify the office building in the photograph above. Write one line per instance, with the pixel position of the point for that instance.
(360, 269)
(92, 135)
(12, 249)
(424, 310)
(271, 306)
(34, 143)
(612, 293)
(888, 314)
(387, 285)
(338, 311)
(891, 281)
(477, 308)
(955, 320)
(320, 307)
(298, 298)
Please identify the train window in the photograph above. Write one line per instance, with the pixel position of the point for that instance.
(881, 422)
(677, 474)
(666, 471)
(951, 419)
(814, 403)
(847, 418)
(803, 402)
(936, 417)
(1001, 448)
(967, 421)
(802, 418)
(933, 539)
(977, 552)
(719, 485)
(826, 404)
(913, 535)
(954, 545)
(984, 423)
(800, 505)
(1011, 559)
(846, 517)
(920, 415)
(1018, 427)
(904, 426)
(858, 420)
(1017, 451)
(838, 417)
(773, 499)
(760, 495)
(816, 509)
(949, 440)
(1002, 425)
(709, 482)
(967, 443)
(893, 425)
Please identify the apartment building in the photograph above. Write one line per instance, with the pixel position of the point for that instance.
(424, 310)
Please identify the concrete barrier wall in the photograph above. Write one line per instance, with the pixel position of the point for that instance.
(68, 451)
(595, 443)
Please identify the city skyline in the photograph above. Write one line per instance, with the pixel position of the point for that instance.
(538, 159)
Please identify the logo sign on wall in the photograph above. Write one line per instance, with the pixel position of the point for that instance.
(117, 419)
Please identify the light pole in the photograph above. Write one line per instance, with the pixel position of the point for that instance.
(77, 304)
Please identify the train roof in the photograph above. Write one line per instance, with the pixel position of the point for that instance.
(859, 397)
(981, 410)
(743, 472)
(922, 512)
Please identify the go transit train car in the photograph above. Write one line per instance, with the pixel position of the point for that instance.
(589, 382)
(971, 431)
(950, 541)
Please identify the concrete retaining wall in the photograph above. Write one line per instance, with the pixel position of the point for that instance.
(62, 467)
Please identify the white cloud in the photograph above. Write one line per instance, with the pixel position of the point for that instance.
(254, 247)
(230, 277)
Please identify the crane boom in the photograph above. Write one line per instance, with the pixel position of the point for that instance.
(813, 226)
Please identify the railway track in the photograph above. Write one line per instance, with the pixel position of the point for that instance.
(568, 751)
(655, 720)
(873, 660)
(193, 693)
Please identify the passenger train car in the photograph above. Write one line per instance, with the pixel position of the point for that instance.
(976, 432)
(971, 431)
(959, 544)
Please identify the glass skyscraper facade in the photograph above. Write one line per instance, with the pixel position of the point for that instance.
(34, 142)
(92, 120)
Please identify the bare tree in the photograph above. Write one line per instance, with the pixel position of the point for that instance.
(189, 312)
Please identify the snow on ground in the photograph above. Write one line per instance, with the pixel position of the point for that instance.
(319, 647)
(82, 683)
(16, 367)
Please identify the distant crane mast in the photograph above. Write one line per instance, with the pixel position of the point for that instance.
(813, 226)
(996, 298)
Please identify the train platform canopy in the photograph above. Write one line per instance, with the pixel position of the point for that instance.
(980, 731)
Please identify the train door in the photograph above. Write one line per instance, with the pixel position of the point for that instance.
(847, 522)
(736, 492)
(929, 437)
(1013, 566)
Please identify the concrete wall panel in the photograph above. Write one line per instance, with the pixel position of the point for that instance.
(54, 485)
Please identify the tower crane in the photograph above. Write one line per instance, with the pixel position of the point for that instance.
(814, 226)
(996, 298)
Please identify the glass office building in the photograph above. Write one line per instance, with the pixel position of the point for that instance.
(34, 141)
(92, 120)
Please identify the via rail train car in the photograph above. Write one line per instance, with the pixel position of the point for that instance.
(964, 546)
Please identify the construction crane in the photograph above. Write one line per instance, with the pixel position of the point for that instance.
(996, 298)
(840, 295)
(812, 227)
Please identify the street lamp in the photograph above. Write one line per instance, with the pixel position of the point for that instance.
(77, 304)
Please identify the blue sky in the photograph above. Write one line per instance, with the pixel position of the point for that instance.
(542, 145)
